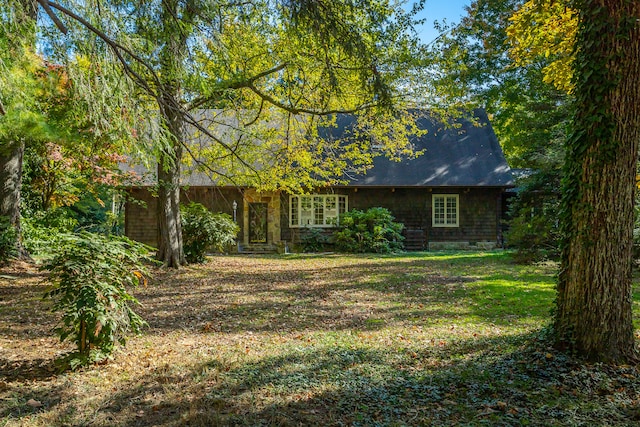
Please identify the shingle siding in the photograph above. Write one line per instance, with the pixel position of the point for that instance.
(141, 222)
(465, 159)
(479, 210)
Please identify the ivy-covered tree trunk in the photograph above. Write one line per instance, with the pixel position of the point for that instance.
(594, 302)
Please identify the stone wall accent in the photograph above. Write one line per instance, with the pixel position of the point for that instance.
(272, 199)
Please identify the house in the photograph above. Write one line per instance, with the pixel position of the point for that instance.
(450, 197)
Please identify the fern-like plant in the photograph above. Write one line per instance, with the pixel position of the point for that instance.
(373, 230)
(91, 276)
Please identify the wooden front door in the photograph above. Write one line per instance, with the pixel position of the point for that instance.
(257, 223)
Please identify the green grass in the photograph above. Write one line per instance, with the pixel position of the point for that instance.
(442, 339)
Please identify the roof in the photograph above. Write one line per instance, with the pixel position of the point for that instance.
(466, 154)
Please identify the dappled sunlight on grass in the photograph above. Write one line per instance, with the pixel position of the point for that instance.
(414, 339)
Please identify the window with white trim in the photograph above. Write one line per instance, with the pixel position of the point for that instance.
(445, 210)
(316, 210)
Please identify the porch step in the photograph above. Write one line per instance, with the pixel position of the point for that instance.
(257, 249)
(415, 239)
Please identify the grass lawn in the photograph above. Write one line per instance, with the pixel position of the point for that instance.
(416, 339)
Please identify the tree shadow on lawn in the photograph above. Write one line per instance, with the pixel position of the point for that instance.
(496, 380)
(363, 296)
(26, 388)
(507, 381)
(22, 308)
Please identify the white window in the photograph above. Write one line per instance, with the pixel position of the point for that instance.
(317, 210)
(445, 210)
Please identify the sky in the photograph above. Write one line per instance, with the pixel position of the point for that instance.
(451, 10)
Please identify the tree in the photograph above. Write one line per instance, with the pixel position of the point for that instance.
(34, 112)
(355, 46)
(68, 158)
(262, 63)
(176, 22)
(495, 60)
(593, 314)
(17, 88)
(545, 29)
(474, 64)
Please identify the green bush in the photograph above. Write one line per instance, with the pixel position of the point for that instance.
(90, 276)
(8, 236)
(535, 238)
(370, 231)
(313, 240)
(533, 229)
(203, 230)
(533, 226)
(42, 229)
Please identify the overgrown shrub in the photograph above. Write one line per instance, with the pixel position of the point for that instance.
(8, 236)
(533, 228)
(42, 229)
(535, 238)
(203, 230)
(369, 231)
(90, 276)
(313, 240)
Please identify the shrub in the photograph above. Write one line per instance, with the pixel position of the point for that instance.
(533, 227)
(370, 231)
(535, 238)
(8, 236)
(203, 230)
(42, 229)
(90, 275)
(313, 240)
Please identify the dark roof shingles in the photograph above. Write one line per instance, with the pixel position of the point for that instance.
(467, 155)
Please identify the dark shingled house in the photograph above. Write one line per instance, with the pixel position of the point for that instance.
(451, 197)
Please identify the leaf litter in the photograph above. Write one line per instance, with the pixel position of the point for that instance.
(418, 339)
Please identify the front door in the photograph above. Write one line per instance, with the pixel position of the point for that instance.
(257, 223)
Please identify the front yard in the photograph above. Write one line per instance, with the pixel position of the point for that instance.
(416, 339)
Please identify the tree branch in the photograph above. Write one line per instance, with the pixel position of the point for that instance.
(116, 48)
(296, 110)
(237, 84)
(53, 16)
(189, 119)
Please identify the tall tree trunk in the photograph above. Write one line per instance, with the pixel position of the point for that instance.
(174, 50)
(11, 157)
(11, 181)
(12, 152)
(170, 250)
(593, 314)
